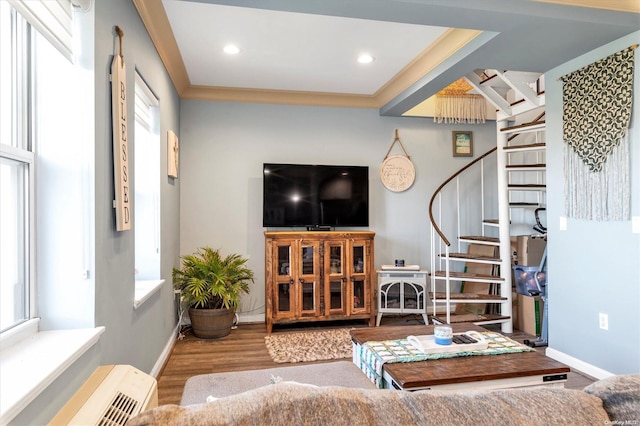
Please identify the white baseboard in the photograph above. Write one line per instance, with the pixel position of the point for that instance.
(580, 365)
(256, 318)
(165, 353)
(259, 318)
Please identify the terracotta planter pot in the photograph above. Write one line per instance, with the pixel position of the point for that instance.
(211, 323)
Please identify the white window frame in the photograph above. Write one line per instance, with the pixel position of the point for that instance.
(20, 149)
(31, 359)
(26, 158)
(146, 110)
(51, 18)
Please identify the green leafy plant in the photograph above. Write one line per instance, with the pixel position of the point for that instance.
(207, 280)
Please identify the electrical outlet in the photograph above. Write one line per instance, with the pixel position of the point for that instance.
(604, 321)
(563, 223)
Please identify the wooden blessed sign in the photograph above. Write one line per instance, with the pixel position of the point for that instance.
(121, 203)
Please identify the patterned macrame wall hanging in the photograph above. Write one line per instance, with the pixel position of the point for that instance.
(455, 105)
(596, 112)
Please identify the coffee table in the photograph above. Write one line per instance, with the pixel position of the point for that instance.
(462, 373)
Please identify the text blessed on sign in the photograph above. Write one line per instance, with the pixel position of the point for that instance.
(120, 144)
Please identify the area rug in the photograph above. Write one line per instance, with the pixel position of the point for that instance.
(313, 345)
(201, 388)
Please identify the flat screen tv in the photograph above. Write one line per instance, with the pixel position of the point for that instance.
(315, 196)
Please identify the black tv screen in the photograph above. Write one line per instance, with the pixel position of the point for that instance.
(315, 195)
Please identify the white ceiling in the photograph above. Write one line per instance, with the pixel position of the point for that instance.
(310, 46)
(292, 51)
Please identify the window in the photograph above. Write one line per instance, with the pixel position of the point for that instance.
(46, 184)
(38, 160)
(147, 184)
(16, 172)
(15, 178)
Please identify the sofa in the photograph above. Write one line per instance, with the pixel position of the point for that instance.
(615, 400)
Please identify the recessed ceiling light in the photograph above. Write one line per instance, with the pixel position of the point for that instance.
(365, 58)
(231, 49)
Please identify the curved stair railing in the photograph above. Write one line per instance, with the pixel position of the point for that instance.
(438, 191)
(441, 246)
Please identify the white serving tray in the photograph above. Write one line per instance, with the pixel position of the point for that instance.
(427, 343)
(400, 268)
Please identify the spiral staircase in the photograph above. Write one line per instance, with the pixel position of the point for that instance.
(476, 211)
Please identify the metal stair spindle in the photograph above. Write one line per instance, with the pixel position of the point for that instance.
(503, 228)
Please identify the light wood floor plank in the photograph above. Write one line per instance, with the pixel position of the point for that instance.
(244, 349)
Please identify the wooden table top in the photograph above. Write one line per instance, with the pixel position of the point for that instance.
(421, 374)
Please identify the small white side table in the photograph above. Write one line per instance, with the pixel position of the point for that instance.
(402, 292)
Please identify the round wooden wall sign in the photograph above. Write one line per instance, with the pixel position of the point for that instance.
(397, 173)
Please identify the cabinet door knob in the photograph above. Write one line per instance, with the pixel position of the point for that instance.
(290, 281)
(301, 280)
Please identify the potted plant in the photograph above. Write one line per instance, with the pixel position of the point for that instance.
(211, 285)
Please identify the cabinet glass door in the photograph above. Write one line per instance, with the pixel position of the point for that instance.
(357, 257)
(359, 294)
(284, 286)
(284, 298)
(309, 279)
(284, 260)
(335, 289)
(359, 291)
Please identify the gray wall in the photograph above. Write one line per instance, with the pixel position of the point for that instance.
(131, 337)
(593, 266)
(223, 146)
(135, 337)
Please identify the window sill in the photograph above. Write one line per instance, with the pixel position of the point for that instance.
(31, 364)
(144, 290)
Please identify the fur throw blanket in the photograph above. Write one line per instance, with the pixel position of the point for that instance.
(301, 404)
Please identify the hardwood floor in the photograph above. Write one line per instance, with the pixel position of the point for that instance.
(244, 349)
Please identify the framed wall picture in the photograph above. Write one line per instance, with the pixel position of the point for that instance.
(462, 144)
(173, 154)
